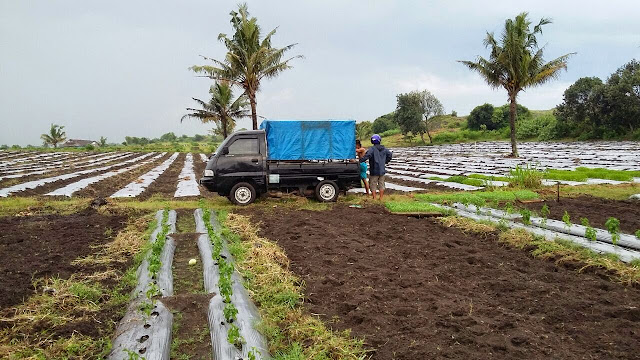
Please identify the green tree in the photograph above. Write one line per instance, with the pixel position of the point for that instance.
(580, 112)
(249, 59)
(622, 99)
(431, 107)
(168, 137)
(481, 115)
(408, 114)
(384, 123)
(55, 136)
(363, 129)
(103, 141)
(222, 109)
(516, 63)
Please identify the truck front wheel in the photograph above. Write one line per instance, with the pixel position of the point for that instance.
(327, 191)
(242, 194)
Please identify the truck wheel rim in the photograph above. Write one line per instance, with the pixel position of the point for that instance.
(327, 192)
(243, 195)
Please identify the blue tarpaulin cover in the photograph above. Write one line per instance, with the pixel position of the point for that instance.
(310, 139)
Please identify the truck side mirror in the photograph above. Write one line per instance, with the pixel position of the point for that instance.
(225, 150)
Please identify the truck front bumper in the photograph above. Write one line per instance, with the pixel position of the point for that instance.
(209, 183)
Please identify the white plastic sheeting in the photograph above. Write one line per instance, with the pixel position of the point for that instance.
(204, 157)
(139, 185)
(36, 183)
(635, 197)
(484, 214)
(247, 316)
(148, 337)
(83, 183)
(77, 164)
(187, 186)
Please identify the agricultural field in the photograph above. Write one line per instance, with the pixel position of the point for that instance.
(124, 255)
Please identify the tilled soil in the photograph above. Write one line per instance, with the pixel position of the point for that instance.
(33, 247)
(415, 289)
(108, 187)
(597, 210)
(167, 183)
(199, 166)
(191, 336)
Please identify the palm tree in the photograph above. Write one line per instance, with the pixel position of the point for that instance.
(248, 59)
(221, 109)
(55, 136)
(516, 63)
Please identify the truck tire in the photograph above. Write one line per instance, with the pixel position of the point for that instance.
(242, 194)
(327, 191)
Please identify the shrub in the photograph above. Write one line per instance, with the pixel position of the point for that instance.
(481, 115)
(384, 123)
(542, 128)
(390, 132)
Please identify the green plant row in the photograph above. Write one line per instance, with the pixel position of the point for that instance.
(225, 282)
(583, 173)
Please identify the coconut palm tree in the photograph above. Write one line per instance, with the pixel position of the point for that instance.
(222, 109)
(55, 136)
(248, 59)
(516, 63)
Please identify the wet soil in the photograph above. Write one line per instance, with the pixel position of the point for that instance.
(199, 166)
(167, 183)
(191, 336)
(33, 247)
(108, 187)
(415, 289)
(597, 210)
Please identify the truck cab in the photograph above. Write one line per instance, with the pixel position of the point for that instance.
(241, 170)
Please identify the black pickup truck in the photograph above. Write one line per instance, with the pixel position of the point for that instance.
(240, 169)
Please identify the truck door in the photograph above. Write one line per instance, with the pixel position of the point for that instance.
(243, 160)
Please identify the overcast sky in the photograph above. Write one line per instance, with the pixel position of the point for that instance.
(116, 68)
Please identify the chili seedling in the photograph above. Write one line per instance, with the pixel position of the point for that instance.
(526, 216)
(613, 225)
(566, 219)
(589, 232)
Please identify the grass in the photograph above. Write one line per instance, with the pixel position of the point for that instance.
(413, 207)
(492, 178)
(80, 298)
(23, 206)
(291, 332)
(605, 191)
(478, 197)
(583, 173)
(560, 250)
(525, 177)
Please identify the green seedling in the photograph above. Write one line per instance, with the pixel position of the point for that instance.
(526, 216)
(234, 337)
(638, 234)
(613, 225)
(132, 355)
(545, 211)
(146, 308)
(230, 312)
(589, 232)
(153, 290)
(566, 219)
(253, 354)
(508, 208)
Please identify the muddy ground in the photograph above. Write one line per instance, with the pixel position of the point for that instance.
(33, 247)
(415, 289)
(597, 210)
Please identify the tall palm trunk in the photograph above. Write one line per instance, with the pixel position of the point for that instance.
(512, 124)
(224, 121)
(254, 115)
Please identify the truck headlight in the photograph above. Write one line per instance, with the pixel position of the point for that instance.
(208, 172)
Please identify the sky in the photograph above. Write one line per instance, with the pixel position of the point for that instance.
(120, 68)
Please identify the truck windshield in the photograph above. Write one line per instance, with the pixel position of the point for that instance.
(222, 144)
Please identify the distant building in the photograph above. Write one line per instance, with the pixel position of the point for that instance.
(79, 143)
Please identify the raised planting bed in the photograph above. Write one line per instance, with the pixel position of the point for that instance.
(145, 330)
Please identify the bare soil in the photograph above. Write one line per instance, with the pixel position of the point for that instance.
(33, 247)
(597, 210)
(421, 185)
(167, 183)
(190, 303)
(415, 289)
